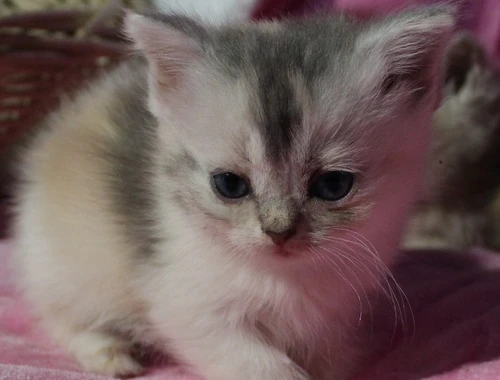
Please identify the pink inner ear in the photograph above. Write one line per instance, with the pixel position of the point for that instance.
(409, 52)
(418, 45)
(167, 50)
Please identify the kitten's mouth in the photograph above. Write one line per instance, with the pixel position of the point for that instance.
(287, 251)
(282, 251)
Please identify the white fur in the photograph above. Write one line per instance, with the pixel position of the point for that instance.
(215, 11)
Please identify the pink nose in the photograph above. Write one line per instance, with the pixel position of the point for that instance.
(280, 238)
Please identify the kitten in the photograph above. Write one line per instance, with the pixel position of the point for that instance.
(228, 196)
(463, 170)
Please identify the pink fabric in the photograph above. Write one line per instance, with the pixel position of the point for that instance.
(456, 334)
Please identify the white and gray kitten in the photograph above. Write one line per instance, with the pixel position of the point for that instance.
(228, 197)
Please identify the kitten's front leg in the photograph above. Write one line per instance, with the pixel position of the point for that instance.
(96, 350)
(230, 354)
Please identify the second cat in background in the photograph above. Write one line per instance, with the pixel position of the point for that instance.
(460, 206)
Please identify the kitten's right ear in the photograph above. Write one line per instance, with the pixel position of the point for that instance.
(169, 43)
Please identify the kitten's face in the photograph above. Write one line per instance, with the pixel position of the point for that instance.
(287, 138)
(280, 192)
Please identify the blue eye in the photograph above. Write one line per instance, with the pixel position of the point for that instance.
(332, 186)
(230, 185)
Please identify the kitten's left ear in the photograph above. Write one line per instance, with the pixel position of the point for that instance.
(170, 43)
(463, 54)
(406, 50)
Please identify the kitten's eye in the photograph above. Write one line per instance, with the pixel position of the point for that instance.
(332, 186)
(231, 186)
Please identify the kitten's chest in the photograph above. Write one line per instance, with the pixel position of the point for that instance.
(310, 324)
(286, 312)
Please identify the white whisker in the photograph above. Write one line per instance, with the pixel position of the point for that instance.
(399, 300)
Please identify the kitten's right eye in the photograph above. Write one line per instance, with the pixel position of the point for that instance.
(230, 185)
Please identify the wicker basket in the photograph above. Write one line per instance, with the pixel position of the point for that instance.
(47, 53)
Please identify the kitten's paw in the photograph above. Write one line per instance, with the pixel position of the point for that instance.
(104, 354)
(111, 362)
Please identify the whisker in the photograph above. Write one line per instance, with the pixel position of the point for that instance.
(342, 255)
(354, 258)
(332, 264)
(400, 301)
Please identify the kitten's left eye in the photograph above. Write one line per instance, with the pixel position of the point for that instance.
(230, 185)
(332, 186)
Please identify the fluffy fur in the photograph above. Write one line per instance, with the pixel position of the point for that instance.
(215, 11)
(121, 238)
(463, 168)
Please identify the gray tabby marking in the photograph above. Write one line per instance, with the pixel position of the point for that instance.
(131, 161)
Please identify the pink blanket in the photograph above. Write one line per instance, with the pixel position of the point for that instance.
(455, 334)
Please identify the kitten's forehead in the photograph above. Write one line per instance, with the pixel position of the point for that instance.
(300, 86)
(280, 63)
(276, 112)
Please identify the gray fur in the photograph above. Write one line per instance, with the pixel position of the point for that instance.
(181, 162)
(463, 170)
(272, 59)
(279, 215)
(183, 24)
(277, 111)
(131, 159)
(276, 61)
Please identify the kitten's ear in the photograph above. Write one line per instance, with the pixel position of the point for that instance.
(407, 48)
(463, 53)
(169, 43)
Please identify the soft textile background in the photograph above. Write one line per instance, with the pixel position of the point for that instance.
(455, 334)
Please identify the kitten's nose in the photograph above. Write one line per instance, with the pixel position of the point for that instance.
(280, 238)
